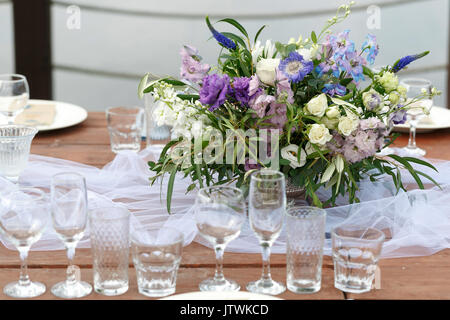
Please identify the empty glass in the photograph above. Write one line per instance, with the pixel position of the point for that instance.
(304, 249)
(219, 214)
(157, 136)
(355, 255)
(15, 144)
(14, 95)
(23, 217)
(156, 257)
(125, 128)
(415, 111)
(267, 207)
(69, 214)
(109, 231)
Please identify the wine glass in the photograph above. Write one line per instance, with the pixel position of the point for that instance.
(416, 110)
(69, 215)
(14, 95)
(267, 206)
(219, 214)
(23, 217)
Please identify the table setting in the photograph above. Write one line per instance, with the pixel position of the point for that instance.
(278, 151)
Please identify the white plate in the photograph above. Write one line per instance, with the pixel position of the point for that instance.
(439, 118)
(226, 295)
(67, 115)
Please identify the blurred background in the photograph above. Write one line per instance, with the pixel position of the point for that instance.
(93, 52)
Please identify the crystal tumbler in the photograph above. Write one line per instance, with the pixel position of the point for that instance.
(109, 232)
(156, 257)
(305, 240)
(125, 128)
(157, 136)
(355, 255)
(15, 144)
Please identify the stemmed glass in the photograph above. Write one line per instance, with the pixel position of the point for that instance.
(415, 88)
(267, 206)
(69, 215)
(219, 214)
(14, 95)
(23, 217)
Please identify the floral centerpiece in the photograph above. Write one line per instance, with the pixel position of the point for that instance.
(299, 107)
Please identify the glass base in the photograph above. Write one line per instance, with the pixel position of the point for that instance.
(77, 290)
(214, 285)
(266, 287)
(115, 291)
(156, 293)
(415, 151)
(306, 290)
(351, 289)
(15, 290)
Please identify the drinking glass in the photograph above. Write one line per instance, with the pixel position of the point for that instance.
(14, 95)
(416, 110)
(23, 217)
(156, 257)
(219, 214)
(69, 215)
(156, 136)
(109, 230)
(304, 249)
(267, 207)
(125, 128)
(15, 144)
(355, 255)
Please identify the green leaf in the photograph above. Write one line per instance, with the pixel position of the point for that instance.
(236, 24)
(142, 85)
(259, 31)
(409, 168)
(234, 37)
(199, 175)
(313, 37)
(170, 187)
(367, 72)
(418, 161)
(193, 97)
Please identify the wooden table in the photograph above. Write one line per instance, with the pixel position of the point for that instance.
(409, 278)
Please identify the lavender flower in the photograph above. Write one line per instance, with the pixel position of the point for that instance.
(251, 165)
(295, 67)
(371, 46)
(333, 89)
(253, 86)
(284, 91)
(398, 117)
(278, 113)
(214, 90)
(260, 103)
(241, 89)
(191, 68)
(403, 62)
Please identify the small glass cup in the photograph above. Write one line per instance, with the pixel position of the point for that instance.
(355, 255)
(15, 144)
(156, 257)
(109, 232)
(14, 95)
(125, 128)
(304, 249)
(156, 136)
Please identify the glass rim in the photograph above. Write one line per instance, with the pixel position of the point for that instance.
(33, 131)
(178, 235)
(40, 194)
(93, 213)
(203, 190)
(21, 77)
(315, 212)
(109, 110)
(279, 174)
(402, 81)
(381, 236)
(69, 173)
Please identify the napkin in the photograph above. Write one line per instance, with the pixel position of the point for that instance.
(37, 115)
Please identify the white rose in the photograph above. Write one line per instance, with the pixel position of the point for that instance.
(291, 153)
(266, 70)
(305, 53)
(347, 125)
(317, 105)
(309, 148)
(333, 112)
(319, 134)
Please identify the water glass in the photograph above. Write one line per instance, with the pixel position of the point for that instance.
(355, 255)
(23, 217)
(156, 257)
(304, 249)
(109, 232)
(14, 95)
(15, 144)
(156, 136)
(125, 128)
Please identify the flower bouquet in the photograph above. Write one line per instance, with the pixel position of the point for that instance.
(298, 107)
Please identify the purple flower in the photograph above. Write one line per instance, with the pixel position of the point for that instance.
(223, 40)
(370, 46)
(251, 164)
(284, 87)
(399, 117)
(214, 90)
(333, 89)
(371, 123)
(403, 62)
(191, 68)
(253, 86)
(295, 67)
(260, 103)
(241, 89)
(278, 113)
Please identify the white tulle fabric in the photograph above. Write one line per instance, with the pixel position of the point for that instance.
(417, 222)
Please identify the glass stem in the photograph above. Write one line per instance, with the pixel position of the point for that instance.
(265, 247)
(24, 279)
(412, 133)
(71, 270)
(218, 276)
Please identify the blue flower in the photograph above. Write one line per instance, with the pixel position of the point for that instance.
(403, 62)
(371, 46)
(226, 42)
(334, 89)
(295, 67)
